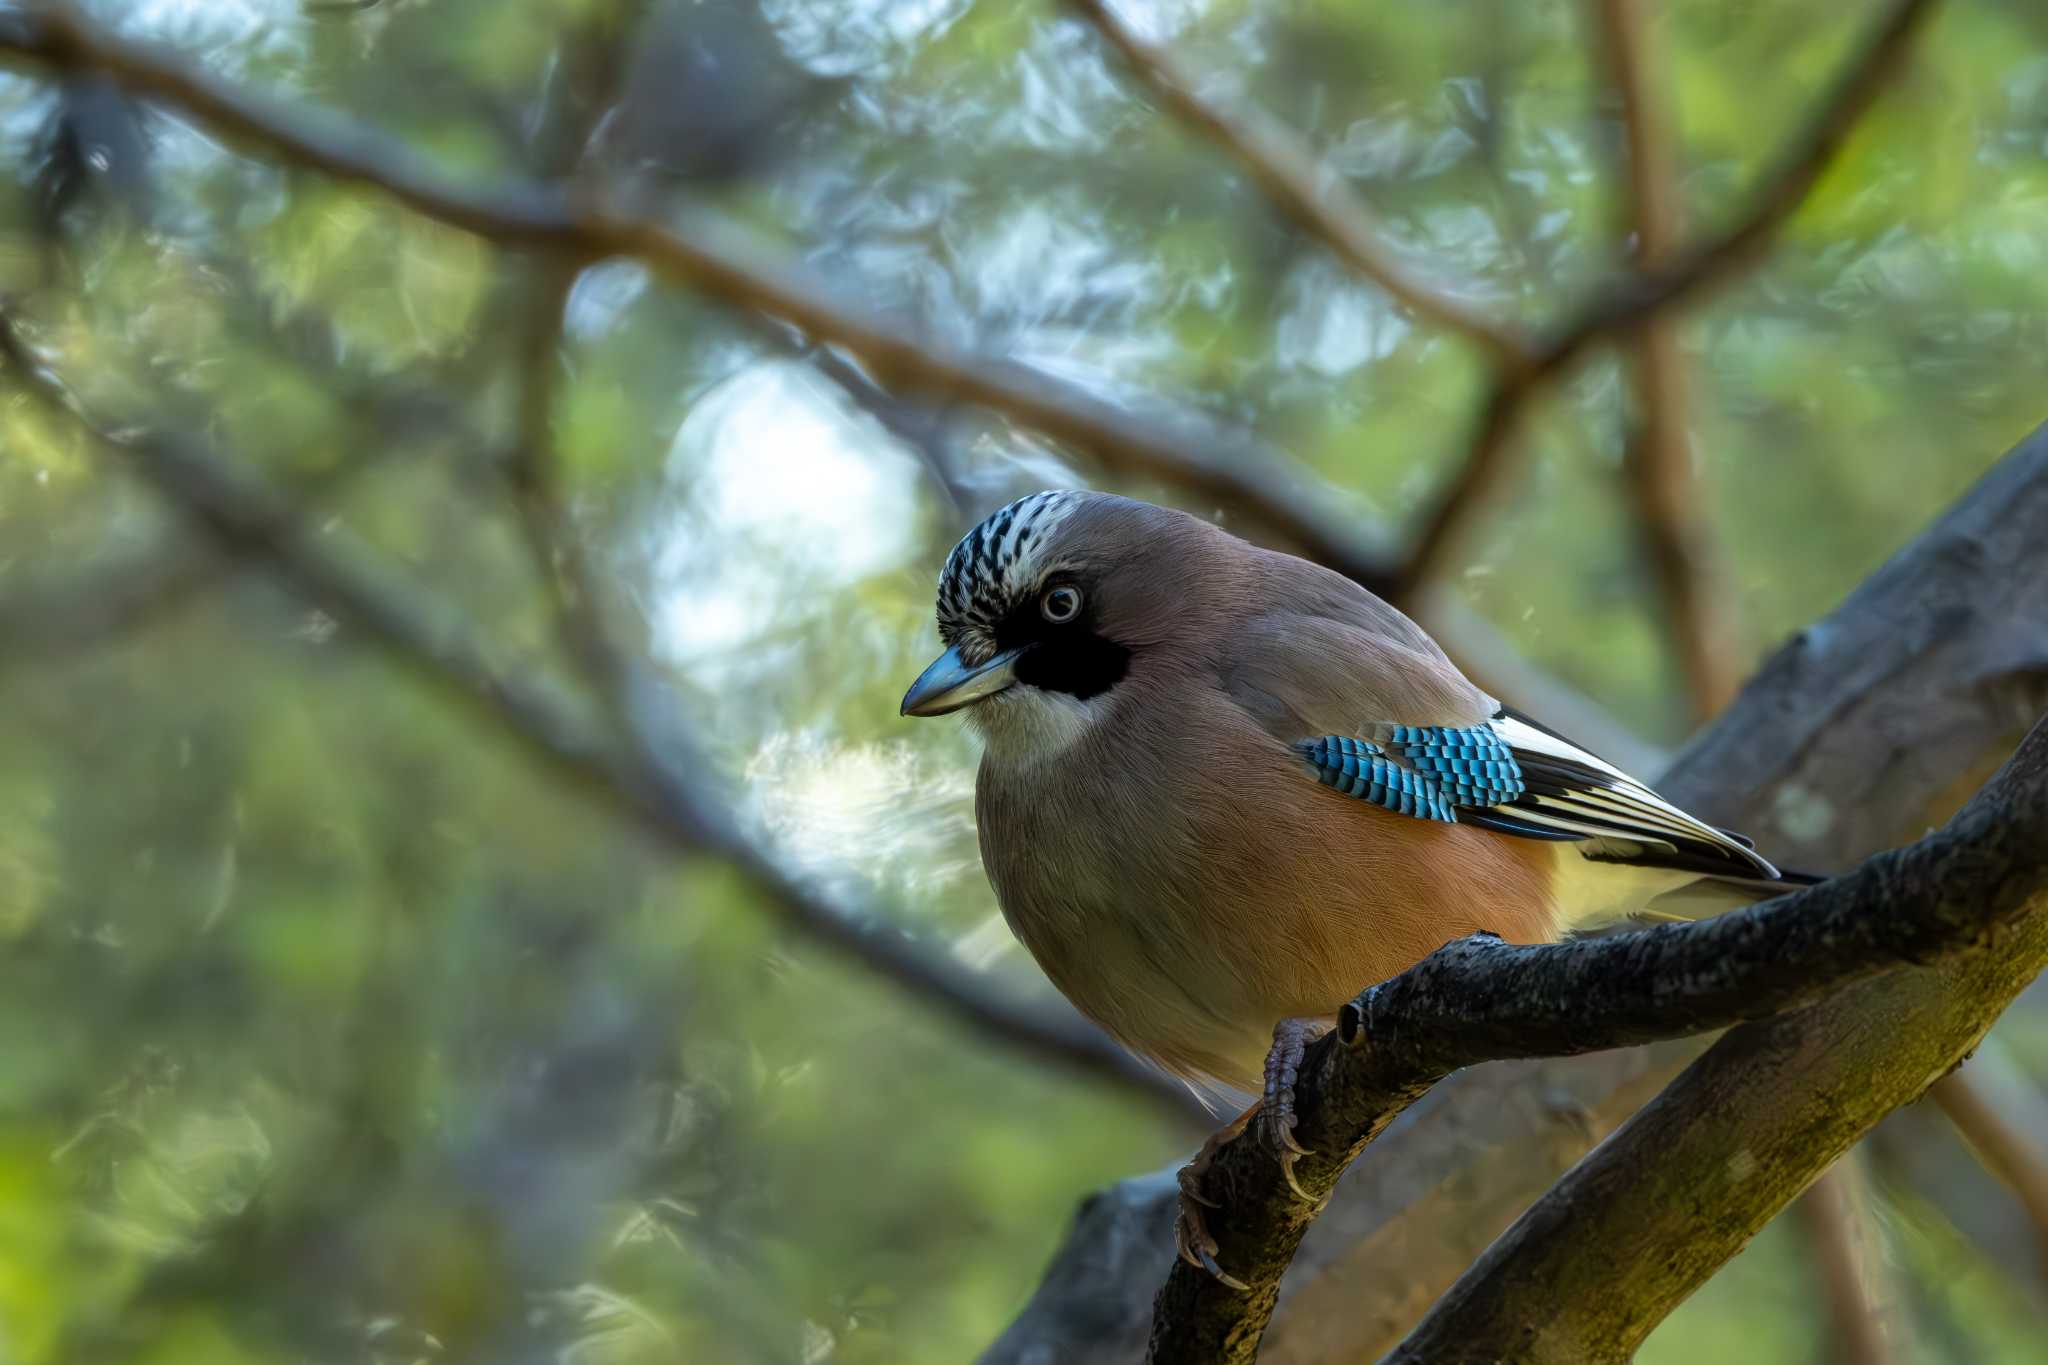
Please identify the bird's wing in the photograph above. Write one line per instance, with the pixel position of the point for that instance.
(1377, 711)
(1513, 776)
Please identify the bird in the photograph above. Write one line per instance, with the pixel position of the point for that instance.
(1224, 789)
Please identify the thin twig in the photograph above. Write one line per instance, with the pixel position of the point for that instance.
(1297, 181)
(2014, 1154)
(1618, 308)
(1833, 1216)
(1471, 492)
(720, 260)
(44, 621)
(248, 518)
(714, 258)
(1656, 464)
(585, 81)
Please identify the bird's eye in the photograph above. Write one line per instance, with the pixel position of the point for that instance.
(1060, 605)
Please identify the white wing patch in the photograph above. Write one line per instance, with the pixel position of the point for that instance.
(1581, 794)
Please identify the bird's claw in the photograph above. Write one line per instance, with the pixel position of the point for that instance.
(1276, 1118)
(1274, 1114)
(1191, 1239)
(1190, 1178)
(1278, 1130)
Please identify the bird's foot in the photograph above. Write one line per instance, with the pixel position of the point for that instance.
(1191, 1239)
(1274, 1113)
(1291, 1038)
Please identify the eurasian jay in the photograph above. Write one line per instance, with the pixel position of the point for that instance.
(1224, 789)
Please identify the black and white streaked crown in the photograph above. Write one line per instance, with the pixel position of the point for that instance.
(994, 565)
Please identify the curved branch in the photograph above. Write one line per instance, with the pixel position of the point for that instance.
(719, 260)
(2012, 1151)
(1834, 1215)
(1982, 879)
(1637, 298)
(248, 518)
(1656, 465)
(1307, 191)
(1657, 1209)
(716, 259)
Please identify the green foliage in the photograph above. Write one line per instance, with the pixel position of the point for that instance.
(342, 1032)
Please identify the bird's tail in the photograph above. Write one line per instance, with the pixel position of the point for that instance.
(1712, 895)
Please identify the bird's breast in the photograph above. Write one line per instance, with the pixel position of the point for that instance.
(1187, 885)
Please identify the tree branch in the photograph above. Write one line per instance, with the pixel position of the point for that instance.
(1472, 491)
(1588, 1271)
(40, 621)
(714, 258)
(247, 518)
(1637, 298)
(2011, 1151)
(1656, 465)
(1288, 170)
(586, 82)
(718, 260)
(1834, 1216)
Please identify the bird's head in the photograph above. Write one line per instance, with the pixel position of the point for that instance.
(1044, 606)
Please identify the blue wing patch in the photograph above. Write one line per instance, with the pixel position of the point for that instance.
(1512, 776)
(1426, 771)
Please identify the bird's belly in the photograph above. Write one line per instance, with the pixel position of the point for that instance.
(1190, 941)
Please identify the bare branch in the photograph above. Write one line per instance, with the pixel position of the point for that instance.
(1292, 176)
(1657, 465)
(1834, 1215)
(719, 260)
(39, 621)
(586, 79)
(1864, 75)
(2009, 1150)
(714, 258)
(1981, 880)
(1596, 1263)
(248, 518)
(1638, 298)
(1472, 492)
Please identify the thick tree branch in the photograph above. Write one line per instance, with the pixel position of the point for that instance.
(248, 519)
(1309, 192)
(1637, 299)
(1662, 1205)
(1656, 465)
(1976, 882)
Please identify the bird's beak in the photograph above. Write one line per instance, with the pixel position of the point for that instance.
(951, 682)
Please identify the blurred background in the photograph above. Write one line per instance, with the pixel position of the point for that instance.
(341, 1027)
